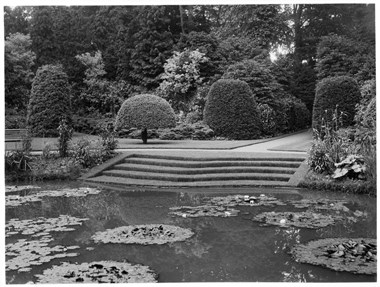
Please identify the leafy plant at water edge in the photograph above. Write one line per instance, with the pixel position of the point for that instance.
(81, 152)
(352, 167)
(331, 144)
(17, 161)
(109, 143)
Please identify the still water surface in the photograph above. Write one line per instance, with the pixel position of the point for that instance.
(224, 249)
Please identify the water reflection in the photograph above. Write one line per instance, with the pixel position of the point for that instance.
(222, 249)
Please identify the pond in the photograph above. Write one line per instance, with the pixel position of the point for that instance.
(228, 235)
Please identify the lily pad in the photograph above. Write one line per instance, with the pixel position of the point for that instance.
(41, 226)
(357, 255)
(298, 219)
(98, 272)
(143, 234)
(245, 200)
(14, 188)
(203, 210)
(24, 254)
(321, 204)
(17, 200)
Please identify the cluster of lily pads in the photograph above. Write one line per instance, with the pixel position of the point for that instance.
(203, 210)
(297, 219)
(17, 200)
(16, 188)
(98, 272)
(143, 234)
(357, 256)
(310, 218)
(25, 254)
(220, 206)
(41, 226)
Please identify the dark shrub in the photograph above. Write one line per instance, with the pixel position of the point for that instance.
(143, 112)
(298, 115)
(341, 93)
(49, 101)
(231, 110)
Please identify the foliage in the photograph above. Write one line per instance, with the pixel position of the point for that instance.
(145, 111)
(352, 167)
(196, 131)
(53, 168)
(319, 159)
(259, 78)
(100, 94)
(16, 19)
(15, 119)
(88, 153)
(64, 137)
(44, 41)
(19, 60)
(303, 84)
(49, 101)
(298, 115)
(109, 143)
(340, 56)
(365, 117)
(267, 118)
(262, 22)
(208, 44)
(331, 144)
(235, 49)
(154, 32)
(17, 162)
(316, 181)
(231, 110)
(181, 78)
(341, 93)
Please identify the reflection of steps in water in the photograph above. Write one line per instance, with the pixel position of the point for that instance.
(168, 170)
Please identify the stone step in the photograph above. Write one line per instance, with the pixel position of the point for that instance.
(197, 177)
(210, 163)
(119, 181)
(202, 170)
(236, 157)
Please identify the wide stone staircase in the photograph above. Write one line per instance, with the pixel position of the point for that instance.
(192, 169)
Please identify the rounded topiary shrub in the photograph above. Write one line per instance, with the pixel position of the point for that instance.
(145, 112)
(49, 101)
(332, 94)
(231, 110)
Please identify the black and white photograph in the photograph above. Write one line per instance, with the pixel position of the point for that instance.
(189, 142)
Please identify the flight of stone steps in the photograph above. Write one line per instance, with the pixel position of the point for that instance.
(190, 170)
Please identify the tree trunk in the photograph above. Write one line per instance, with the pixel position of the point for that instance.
(144, 136)
(297, 18)
(182, 20)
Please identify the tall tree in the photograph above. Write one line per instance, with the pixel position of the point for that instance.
(159, 29)
(16, 20)
(19, 60)
(42, 34)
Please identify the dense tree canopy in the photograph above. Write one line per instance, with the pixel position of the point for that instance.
(135, 42)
